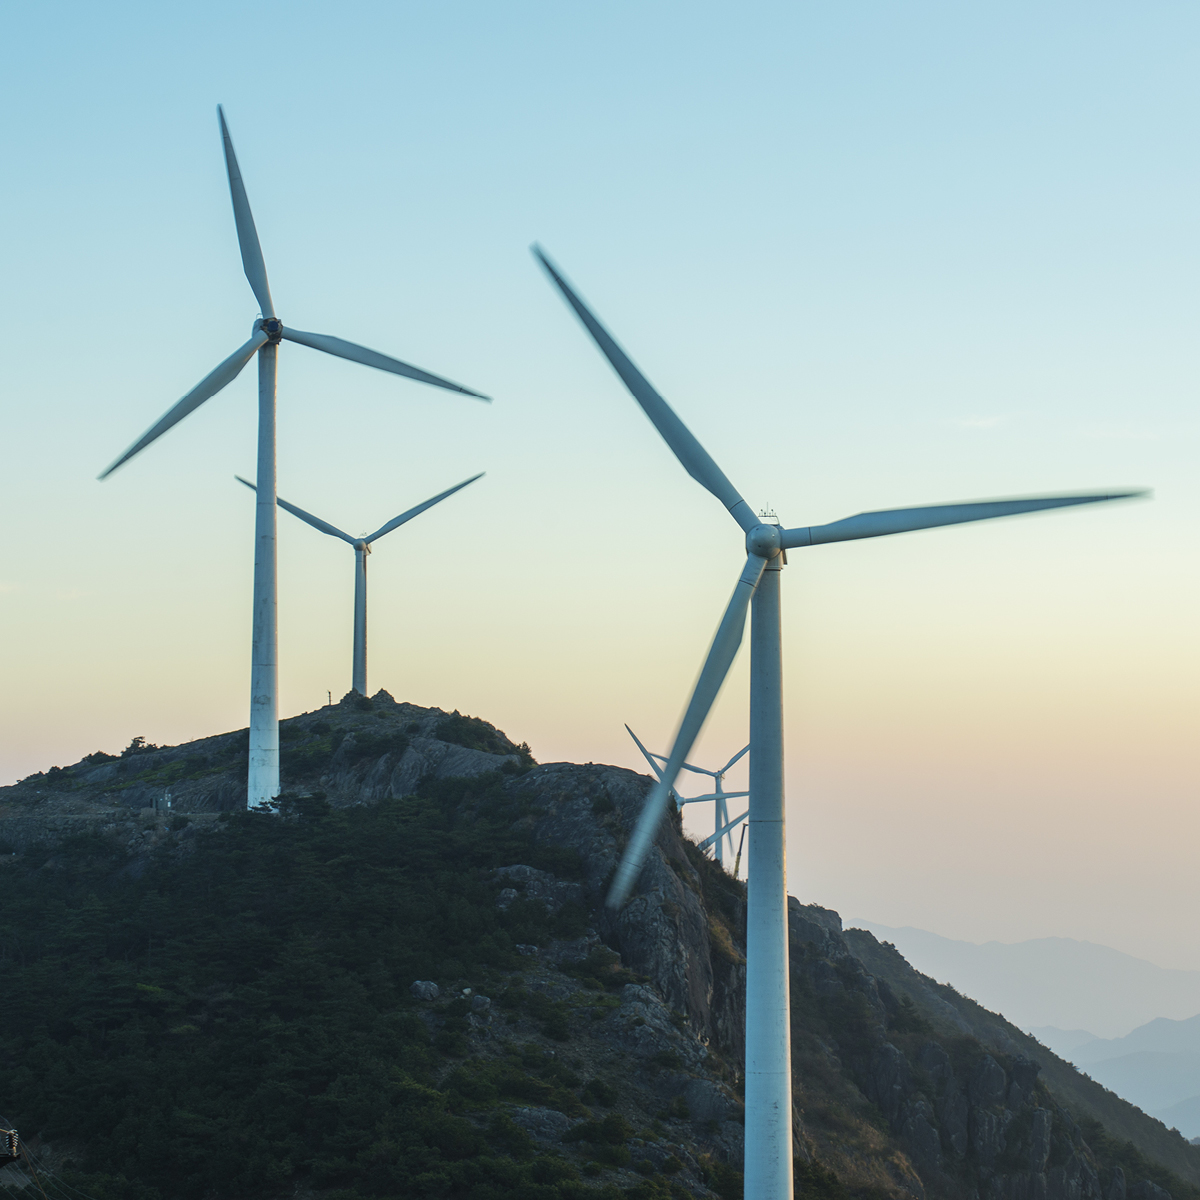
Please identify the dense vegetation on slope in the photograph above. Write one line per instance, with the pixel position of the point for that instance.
(237, 1012)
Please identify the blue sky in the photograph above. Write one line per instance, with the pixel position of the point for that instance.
(875, 254)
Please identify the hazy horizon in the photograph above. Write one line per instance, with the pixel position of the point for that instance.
(1063, 983)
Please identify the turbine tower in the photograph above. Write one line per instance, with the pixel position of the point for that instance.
(723, 827)
(768, 1030)
(362, 547)
(267, 333)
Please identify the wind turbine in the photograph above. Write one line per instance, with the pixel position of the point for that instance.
(362, 547)
(722, 826)
(267, 332)
(768, 1079)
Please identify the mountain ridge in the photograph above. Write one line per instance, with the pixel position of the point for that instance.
(222, 1003)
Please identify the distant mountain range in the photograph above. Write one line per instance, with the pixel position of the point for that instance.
(1157, 1036)
(1156, 1067)
(1053, 986)
(1079, 988)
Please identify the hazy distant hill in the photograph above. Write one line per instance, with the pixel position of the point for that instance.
(1161, 1034)
(1063, 1042)
(1151, 1079)
(1072, 985)
(1156, 1067)
(1184, 1116)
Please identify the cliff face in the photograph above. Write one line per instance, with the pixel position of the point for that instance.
(1091, 1103)
(973, 1115)
(592, 1051)
(895, 1089)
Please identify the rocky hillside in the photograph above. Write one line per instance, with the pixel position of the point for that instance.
(357, 751)
(405, 983)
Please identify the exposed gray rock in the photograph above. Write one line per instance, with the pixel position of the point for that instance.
(890, 1080)
(920, 1135)
(706, 1100)
(544, 1124)
(539, 885)
(1145, 1190)
(574, 951)
(424, 989)
(935, 1062)
(988, 1083)
(987, 1134)
(954, 1113)
(1022, 1185)
(1076, 1179)
(662, 931)
(1039, 1141)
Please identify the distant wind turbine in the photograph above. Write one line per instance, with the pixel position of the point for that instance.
(268, 331)
(768, 1078)
(362, 547)
(722, 826)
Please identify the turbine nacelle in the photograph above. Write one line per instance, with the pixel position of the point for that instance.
(765, 541)
(272, 327)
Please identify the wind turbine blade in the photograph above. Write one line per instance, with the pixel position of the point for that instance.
(208, 387)
(396, 522)
(372, 358)
(315, 522)
(695, 459)
(252, 257)
(904, 520)
(738, 755)
(646, 754)
(716, 837)
(714, 796)
(716, 666)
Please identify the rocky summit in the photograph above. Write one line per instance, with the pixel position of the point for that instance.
(404, 982)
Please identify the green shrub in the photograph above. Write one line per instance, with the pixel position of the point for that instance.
(476, 734)
(599, 1092)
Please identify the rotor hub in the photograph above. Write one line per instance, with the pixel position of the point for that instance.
(764, 540)
(272, 327)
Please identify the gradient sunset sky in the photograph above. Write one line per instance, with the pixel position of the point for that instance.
(875, 254)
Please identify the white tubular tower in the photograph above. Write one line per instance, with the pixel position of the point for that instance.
(262, 783)
(768, 1168)
(359, 673)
